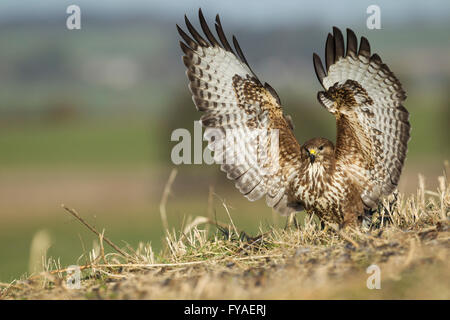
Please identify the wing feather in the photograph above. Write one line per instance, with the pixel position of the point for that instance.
(318, 68)
(364, 48)
(352, 43)
(194, 33)
(338, 44)
(329, 51)
(221, 34)
(207, 30)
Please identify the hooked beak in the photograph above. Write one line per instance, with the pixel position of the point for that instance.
(312, 155)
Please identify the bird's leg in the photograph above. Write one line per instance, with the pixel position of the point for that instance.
(296, 222)
(291, 219)
(288, 221)
(324, 226)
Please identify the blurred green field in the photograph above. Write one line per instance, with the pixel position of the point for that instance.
(143, 140)
(103, 142)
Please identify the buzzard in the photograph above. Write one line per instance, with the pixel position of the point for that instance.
(341, 182)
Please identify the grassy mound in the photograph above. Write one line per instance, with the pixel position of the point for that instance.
(213, 260)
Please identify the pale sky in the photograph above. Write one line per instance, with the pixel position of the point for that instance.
(255, 12)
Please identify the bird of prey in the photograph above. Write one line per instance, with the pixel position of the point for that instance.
(338, 182)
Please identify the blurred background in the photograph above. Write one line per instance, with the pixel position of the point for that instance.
(86, 115)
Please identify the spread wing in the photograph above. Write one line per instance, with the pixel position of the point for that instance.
(372, 125)
(243, 119)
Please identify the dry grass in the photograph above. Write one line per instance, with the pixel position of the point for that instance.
(410, 245)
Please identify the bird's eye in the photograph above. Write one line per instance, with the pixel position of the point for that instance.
(321, 148)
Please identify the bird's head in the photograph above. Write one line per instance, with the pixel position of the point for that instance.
(318, 150)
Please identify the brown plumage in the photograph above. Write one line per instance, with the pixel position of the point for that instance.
(337, 183)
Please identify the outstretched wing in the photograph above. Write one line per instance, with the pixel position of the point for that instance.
(242, 117)
(372, 125)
